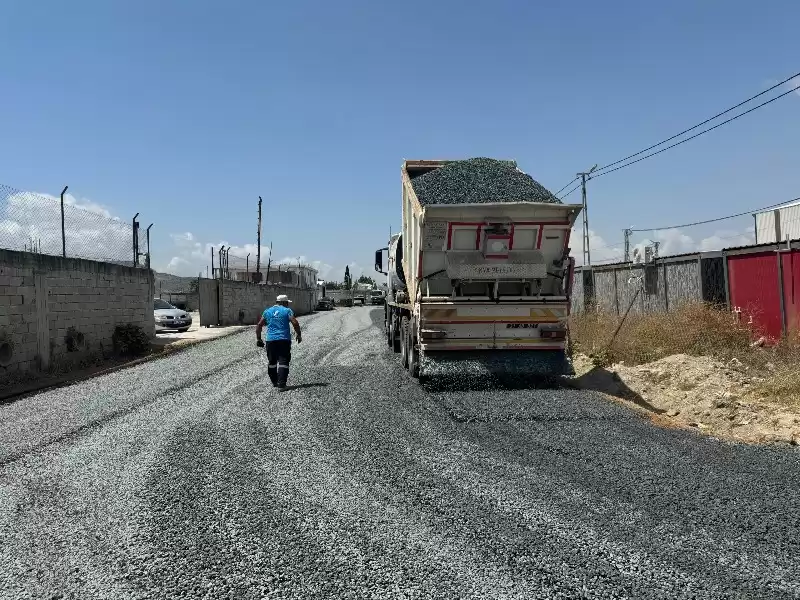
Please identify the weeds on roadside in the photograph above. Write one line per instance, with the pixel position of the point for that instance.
(693, 329)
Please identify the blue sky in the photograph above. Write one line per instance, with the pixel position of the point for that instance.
(186, 112)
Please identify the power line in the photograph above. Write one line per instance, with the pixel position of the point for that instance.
(646, 156)
(741, 214)
(565, 187)
(603, 168)
(569, 192)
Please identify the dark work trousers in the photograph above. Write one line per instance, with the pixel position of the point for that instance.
(279, 354)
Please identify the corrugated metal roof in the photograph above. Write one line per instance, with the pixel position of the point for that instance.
(769, 210)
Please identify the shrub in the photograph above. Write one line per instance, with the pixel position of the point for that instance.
(130, 340)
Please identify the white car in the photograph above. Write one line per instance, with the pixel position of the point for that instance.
(169, 318)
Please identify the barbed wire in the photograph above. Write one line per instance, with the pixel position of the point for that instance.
(32, 222)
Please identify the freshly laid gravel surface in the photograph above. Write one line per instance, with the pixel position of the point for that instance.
(188, 477)
(478, 181)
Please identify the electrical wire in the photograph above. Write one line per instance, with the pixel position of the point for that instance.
(569, 192)
(741, 214)
(604, 167)
(565, 187)
(646, 156)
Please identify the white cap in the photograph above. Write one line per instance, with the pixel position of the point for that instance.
(283, 298)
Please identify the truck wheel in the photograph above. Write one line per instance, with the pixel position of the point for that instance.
(395, 333)
(413, 355)
(404, 336)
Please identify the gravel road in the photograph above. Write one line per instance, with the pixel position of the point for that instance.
(188, 477)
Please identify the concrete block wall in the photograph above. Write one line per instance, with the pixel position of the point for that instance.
(242, 303)
(46, 301)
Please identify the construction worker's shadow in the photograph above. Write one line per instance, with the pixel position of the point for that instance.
(303, 386)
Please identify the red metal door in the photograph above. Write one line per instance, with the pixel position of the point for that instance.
(754, 291)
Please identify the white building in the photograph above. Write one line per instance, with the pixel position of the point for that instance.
(776, 225)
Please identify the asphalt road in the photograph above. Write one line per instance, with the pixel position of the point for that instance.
(189, 477)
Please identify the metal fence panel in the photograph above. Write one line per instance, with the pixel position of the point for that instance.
(37, 223)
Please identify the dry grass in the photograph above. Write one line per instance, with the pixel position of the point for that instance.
(695, 329)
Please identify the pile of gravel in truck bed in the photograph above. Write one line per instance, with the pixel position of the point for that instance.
(479, 181)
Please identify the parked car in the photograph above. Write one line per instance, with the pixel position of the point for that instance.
(325, 304)
(169, 318)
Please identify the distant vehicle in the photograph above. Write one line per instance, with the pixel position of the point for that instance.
(376, 297)
(169, 318)
(325, 304)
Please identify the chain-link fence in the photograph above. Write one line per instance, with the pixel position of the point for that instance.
(62, 227)
(231, 266)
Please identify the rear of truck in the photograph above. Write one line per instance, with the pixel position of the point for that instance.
(488, 282)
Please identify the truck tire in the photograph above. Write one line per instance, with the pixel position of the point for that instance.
(395, 333)
(404, 337)
(413, 355)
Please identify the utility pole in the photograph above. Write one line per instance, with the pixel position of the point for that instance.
(627, 233)
(258, 242)
(269, 263)
(587, 257)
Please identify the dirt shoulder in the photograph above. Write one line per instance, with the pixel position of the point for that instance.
(722, 399)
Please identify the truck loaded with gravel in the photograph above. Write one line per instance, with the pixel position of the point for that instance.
(480, 273)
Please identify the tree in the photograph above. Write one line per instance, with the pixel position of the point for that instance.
(366, 279)
(348, 281)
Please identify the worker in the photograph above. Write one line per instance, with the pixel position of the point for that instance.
(279, 339)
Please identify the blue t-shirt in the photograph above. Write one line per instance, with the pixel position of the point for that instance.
(277, 318)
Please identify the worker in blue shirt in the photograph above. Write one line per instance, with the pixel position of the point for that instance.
(279, 339)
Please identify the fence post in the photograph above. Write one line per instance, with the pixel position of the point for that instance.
(135, 241)
(63, 229)
(212, 263)
(148, 245)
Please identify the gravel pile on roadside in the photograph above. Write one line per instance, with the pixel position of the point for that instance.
(698, 391)
(479, 181)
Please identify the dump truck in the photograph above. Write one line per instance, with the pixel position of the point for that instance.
(477, 280)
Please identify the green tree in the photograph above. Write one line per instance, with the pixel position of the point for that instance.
(366, 279)
(348, 281)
